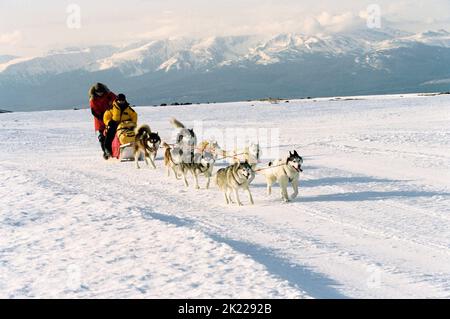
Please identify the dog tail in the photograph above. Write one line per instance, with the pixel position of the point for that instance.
(167, 154)
(143, 130)
(176, 123)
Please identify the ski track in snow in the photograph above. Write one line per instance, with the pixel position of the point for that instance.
(372, 218)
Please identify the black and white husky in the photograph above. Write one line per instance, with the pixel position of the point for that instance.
(233, 178)
(284, 172)
(146, 142)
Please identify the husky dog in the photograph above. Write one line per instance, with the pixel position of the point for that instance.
(285, 172)
(148, 143)
(173, 157)
(234, 177)
(201, 165)
(252, 154)
(211, 149)
(186, 140)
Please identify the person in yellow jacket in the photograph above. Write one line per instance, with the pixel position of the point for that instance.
(120, 112)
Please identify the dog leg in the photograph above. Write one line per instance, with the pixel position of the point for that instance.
(236, 194)
(228, 192)
(196, 180)
(154, 159)
(295, 187)
(136, 159)
(250, 196)
(269, 187)
(226, 197)
(185, 179)
(208, 182)
(283, 186)
(176, 173)
(152, 162)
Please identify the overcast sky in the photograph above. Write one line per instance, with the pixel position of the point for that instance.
(30, 27)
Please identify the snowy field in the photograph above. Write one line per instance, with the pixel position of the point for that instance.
(372, 219)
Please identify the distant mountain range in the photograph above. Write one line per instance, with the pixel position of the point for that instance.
(232, 68)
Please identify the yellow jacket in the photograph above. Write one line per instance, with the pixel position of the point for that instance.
(119, 116)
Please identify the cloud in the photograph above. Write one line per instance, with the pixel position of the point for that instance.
(127, 21)
(324, 22)
(11, 38)
(164, 31)
(337, 22)
(311, 26)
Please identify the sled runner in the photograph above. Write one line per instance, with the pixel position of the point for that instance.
(125, 152)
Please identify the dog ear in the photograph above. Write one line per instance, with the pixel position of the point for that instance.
(295, 153)
(290, 153)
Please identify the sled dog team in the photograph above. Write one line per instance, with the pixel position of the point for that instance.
(185, 157)
(113, 116)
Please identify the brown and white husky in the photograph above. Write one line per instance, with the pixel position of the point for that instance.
(146, 142)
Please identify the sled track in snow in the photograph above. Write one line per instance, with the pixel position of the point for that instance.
(372, 218)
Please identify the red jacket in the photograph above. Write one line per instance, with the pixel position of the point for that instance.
(99, 105)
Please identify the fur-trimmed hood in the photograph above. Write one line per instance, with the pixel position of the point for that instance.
(95, 87)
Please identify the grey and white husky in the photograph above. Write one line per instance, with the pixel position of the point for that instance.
(200, 165)
(284, 172)
(233, 178)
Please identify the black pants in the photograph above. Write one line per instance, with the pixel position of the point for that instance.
(110, 135)
(101, 139)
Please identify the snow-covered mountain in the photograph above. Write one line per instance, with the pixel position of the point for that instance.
(6, 58)
(55, 62)
(214, 52)
(368, 61)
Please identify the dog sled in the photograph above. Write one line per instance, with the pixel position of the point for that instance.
(124, 152)
(123, 143)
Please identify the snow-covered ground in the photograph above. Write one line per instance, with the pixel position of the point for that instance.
(372, 220)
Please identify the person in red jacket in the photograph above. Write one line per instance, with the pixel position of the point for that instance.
(100, 100)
